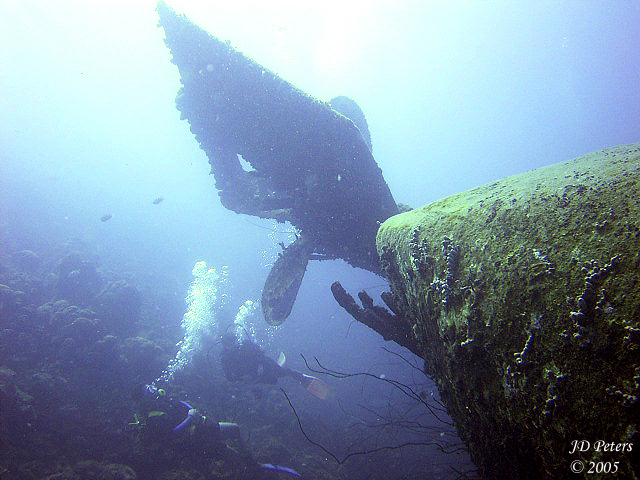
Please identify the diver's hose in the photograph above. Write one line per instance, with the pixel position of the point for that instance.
(191, 413)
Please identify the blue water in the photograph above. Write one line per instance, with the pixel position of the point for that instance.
(456, 94)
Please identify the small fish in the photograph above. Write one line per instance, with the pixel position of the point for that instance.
(106, 217)
(158, 200)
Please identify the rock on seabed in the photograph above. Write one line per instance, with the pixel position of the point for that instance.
(525, 297)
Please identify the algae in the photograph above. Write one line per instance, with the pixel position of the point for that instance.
(524, 296)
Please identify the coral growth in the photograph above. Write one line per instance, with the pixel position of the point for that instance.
(524, 364)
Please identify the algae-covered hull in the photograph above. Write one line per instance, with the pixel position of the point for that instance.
(311, 165)
(524, 296)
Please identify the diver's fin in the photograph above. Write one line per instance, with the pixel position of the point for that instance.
(229, 430)
(280, 468)
(315, 386)
(281, 359)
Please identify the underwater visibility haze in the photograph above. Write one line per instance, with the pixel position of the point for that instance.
(122, 273)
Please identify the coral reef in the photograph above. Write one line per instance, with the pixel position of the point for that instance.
(72, 383)
(67, 371)
(120, 303)
(67, 374)
(529, 320)
(392, 327)
(92, 470)
(78, 279)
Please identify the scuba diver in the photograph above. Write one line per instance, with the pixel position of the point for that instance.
(173, 432)
(243, 359)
